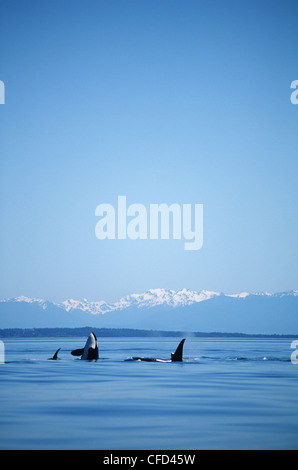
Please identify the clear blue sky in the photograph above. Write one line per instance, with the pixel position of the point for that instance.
(174, 101)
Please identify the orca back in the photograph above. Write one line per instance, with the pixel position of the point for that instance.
(177, 356)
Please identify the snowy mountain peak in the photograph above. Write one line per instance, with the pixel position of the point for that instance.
(85, 305)
(242, 295)
(159, 296)
(22, 298)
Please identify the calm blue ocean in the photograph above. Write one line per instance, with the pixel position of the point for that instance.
(227, 394)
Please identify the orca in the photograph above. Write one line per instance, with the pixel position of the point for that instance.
(177, 356)
(90, 351)
(55, 357)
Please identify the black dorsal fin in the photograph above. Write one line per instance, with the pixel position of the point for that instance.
(177, 356)
(56, 354)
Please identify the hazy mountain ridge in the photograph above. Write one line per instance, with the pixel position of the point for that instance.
(148, 299)
(162, 309)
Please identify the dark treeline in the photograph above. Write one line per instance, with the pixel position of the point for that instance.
(120, 332)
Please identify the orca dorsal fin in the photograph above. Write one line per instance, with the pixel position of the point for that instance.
(178, 354)
(77, 352)
(56, 354)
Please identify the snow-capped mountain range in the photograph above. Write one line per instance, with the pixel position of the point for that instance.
(150, 298)
(160, 308)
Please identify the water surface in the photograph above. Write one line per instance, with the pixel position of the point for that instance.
(227, 394)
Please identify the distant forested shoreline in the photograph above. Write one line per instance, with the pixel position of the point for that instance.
(121, 332)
